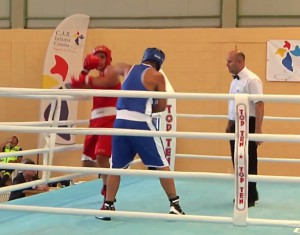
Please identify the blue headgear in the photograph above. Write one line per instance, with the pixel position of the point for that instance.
(154, 55)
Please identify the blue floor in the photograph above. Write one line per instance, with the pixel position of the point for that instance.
(198, 197)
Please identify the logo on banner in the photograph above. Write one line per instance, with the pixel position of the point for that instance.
(66, 40)
(78, 37)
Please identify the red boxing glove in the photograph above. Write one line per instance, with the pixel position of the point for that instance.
(81, 81)
(78, 81)
(90, 62)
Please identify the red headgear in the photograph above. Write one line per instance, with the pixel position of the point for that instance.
(106, 51)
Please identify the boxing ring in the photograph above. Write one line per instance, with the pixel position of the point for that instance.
(142, 207)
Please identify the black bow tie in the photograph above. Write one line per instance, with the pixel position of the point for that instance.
(236, 77)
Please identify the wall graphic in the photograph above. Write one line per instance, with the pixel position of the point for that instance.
(283, 60)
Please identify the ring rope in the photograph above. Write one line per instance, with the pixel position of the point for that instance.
(182, 134)
(41, 150)
(183, 115)
(160, 174)
(148, 215)
(214, 157)
(40, 93)
(137, 215)
(44, 123)
(204, 116)
(40, 181)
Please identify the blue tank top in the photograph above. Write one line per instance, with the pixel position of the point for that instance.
(133, 82)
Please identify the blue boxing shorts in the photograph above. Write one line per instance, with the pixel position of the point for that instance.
(125, 148)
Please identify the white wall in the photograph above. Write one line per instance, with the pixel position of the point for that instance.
(152, 13)
(128, 13)
(4, 14)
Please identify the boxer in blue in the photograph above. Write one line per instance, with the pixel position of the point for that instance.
(135, 113)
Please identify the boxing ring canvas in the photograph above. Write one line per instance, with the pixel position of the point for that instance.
(210, 197)
(142, 207)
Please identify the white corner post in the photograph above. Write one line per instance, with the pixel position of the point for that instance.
(241, 160)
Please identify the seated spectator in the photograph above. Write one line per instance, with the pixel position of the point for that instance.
(23, 177)
(9, 146)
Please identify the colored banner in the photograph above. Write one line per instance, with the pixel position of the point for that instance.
(167, 122)
(63, 59)
(283, 60)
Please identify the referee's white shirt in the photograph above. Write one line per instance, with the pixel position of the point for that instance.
(248, 83)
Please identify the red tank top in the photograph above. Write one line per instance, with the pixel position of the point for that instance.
(102, 102)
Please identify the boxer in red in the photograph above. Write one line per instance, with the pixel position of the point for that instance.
(97, 148)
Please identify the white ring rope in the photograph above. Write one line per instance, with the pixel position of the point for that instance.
(45, 97)
(44, 123)
(162, 174)
(207, 116)
(116, 131)
(198, 116)
(143, 215)
(63, 94)
(40, 93)
(86, 121)
(40, 181)
(214, 157)
(41, 150)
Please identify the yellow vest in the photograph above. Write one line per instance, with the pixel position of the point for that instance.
(7, 149)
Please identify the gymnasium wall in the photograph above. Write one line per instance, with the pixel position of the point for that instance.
(195, 62)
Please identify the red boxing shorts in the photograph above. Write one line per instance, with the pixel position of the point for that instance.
(99, 144)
